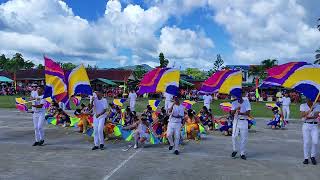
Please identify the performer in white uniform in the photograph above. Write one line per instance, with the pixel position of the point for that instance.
(34, 95)
(309, 114)
(168, 101)
(207, 100)
(93, 96)
(286, 101)
(100, 106)
(174, 126)
(39, 118)
(133, 97)
(240, 110)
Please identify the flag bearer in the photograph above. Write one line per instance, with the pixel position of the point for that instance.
(174, 126)
(240, 110)
(38, 117)
(207, 98)
(100, 106)
(133, 97)
(286, 101)
(309, 115)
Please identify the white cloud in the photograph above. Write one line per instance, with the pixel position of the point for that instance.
(183, 44)
(133, 28)
(258, 29)
(49, 26)
(55, 30)
(186, 48)
(267, 29)
(151, 63)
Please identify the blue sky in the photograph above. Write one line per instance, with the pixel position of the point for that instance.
(190, 33)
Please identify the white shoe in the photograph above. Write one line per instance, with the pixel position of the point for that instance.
(135, 146)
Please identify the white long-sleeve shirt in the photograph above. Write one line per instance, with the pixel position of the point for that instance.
(286, 101)
(100, 105)
(244, 107)
(207, 99)
(176, 112)
(168, 97)
(132, 97)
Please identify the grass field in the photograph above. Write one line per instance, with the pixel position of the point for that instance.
(258, 108)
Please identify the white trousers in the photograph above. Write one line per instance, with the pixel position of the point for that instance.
(207, 105)
(174, 129)
(310, 134)
(286, 112)
(98, 127)
(240, 126)
(132, 105)
(38, 122)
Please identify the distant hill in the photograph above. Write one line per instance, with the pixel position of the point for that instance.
(146, 66)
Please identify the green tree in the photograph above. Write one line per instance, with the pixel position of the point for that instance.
(195, 73)
(163, 61)
(217, 65)
(269, 63)
(255, 70)
(28, 64)
(40, 66)
(261, 70)
(3, 61)
(92, 67)
(67, 66)
(139, 72)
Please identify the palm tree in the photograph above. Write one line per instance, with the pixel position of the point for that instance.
(260, 71)
(255, 70)
(317, 61)
(269, 63)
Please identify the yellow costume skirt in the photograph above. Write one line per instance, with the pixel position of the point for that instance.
(193, 126)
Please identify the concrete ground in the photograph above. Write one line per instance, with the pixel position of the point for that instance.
(272, 154)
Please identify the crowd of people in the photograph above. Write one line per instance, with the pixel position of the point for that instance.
(7, 90)
(173, 122)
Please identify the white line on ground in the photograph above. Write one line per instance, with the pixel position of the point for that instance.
(121, 165)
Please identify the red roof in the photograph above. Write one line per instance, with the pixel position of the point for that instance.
(111, 74)
(117, 75)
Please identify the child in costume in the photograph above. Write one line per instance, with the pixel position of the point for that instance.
(164, 120)
(226, 122)
(206, 118)
(53, 110)
(192, 125)
(112, 111)
(148, 112)
(63, 118)
(116, 119)
(127, 116)
(277, 118)
(215, 123)
(141, 131)
(84, 115)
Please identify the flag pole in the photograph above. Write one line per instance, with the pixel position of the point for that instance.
(316, 100)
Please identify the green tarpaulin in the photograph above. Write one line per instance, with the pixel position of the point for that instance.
(5, 79)
(106, 81)
(183, 82)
